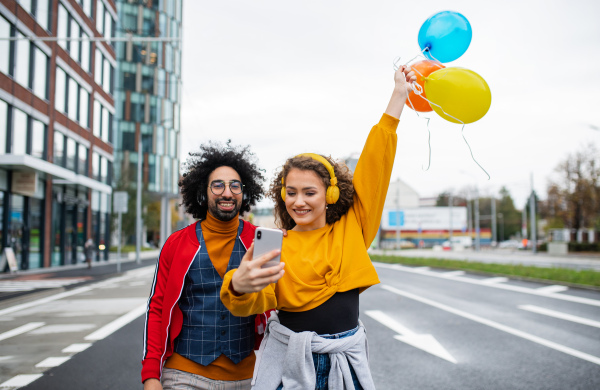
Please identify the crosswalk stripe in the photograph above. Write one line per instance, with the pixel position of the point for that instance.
(20, 330)
(21, 380)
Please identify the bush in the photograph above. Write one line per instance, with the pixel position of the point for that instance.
(584, 247)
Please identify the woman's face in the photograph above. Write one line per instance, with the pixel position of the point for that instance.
(305, 199)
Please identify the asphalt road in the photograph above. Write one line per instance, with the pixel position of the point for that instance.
(427, 329)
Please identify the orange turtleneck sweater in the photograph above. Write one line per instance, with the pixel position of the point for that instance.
(220, 238)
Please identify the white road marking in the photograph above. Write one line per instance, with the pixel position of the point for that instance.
(562, 316)
(21, 380)
(509, 287)
(53, 361)
(425, 342)
(494, 280)
(76, 348)
(28, 285)
(422, 269)
(43, 300)
(117, 324)
(496, 325)
(138, 283)
(452, 274)
(21, 329)
(552, 289)
(63, 328)
(3, 358)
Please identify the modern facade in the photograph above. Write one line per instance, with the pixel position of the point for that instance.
(148, 100)
(56, 114)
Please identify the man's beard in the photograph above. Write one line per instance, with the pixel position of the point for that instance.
(221, 215)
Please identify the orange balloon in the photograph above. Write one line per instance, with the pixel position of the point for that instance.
(422, 69)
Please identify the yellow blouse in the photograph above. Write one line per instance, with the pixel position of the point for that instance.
(334, 258)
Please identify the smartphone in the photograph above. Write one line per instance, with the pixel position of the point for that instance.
(266, 240)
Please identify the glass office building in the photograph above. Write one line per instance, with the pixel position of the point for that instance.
(148, 99)
(56, 144)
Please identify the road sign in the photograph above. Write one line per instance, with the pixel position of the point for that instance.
(120, 199)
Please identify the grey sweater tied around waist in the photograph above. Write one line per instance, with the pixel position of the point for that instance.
(286, 357)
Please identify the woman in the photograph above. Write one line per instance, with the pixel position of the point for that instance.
(316, 340)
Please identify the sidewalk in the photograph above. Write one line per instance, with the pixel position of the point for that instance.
(503, 256)
(22, 283)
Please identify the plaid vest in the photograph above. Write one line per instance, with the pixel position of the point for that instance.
(209, 329)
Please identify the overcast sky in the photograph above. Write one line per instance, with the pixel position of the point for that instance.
(289, 77)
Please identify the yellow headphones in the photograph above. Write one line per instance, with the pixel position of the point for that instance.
(333, 191)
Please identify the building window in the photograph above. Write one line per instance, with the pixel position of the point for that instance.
(40, 74)
(59, 149)
(19, 133)
(22, 48)
(4, 46)
(61, 90)
(85, 52)
(38, 139)
(100, 16)
(106, 77)
(82, 164)
(63, 26)
(75, 43)
(71, 154)
(84, 104)
(97, 130)
(98, 67)
(3, 125)
(73, 99)
(95, 166)
(42, 13)
(103, 170)
(105, 125)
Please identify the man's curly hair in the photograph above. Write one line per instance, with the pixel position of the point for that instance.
(334, 211)
(211, 156)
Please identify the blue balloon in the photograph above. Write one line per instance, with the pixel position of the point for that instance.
(446, 35)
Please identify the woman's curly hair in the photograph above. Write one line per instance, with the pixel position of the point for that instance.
(334, 211)
(211, 156)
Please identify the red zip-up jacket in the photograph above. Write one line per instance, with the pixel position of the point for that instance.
(163, 316)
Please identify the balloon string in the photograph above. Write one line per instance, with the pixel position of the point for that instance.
(462, 133)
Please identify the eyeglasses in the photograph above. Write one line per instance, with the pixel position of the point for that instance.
(217, 187)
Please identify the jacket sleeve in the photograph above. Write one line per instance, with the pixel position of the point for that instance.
(247, 304)
(372, 175)
(154, 344)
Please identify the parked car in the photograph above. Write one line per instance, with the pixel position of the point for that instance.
(511, 244)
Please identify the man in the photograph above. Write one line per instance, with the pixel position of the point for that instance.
(190, 338)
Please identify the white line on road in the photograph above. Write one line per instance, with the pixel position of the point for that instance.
(494, 280)
(21, 329)
(76, 348)
(3, 358)
(562, 316)
(21, 380)
(452, 274)
(43, 300)
(425, 342)
(496, 325)
(509, 287)
(555, 288)
(52, 361)
(117, 324)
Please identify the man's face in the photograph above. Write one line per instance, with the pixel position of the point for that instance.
(224, 206)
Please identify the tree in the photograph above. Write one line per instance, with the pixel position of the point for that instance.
(573, 199)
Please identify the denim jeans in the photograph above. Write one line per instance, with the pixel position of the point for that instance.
(323, 364)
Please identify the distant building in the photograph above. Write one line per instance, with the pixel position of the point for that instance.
(56, 146)
(148, 102)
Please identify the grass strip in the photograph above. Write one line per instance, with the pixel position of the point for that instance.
(577, 277)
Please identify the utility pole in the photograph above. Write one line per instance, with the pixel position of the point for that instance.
(533, 222)
(477, 230)
(398, 219)
(469, 218)
(450, 201)
(494, 223)
(138, 206)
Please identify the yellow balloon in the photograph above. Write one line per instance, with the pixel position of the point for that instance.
(460, 92)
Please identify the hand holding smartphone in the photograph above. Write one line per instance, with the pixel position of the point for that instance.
(266, 240)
